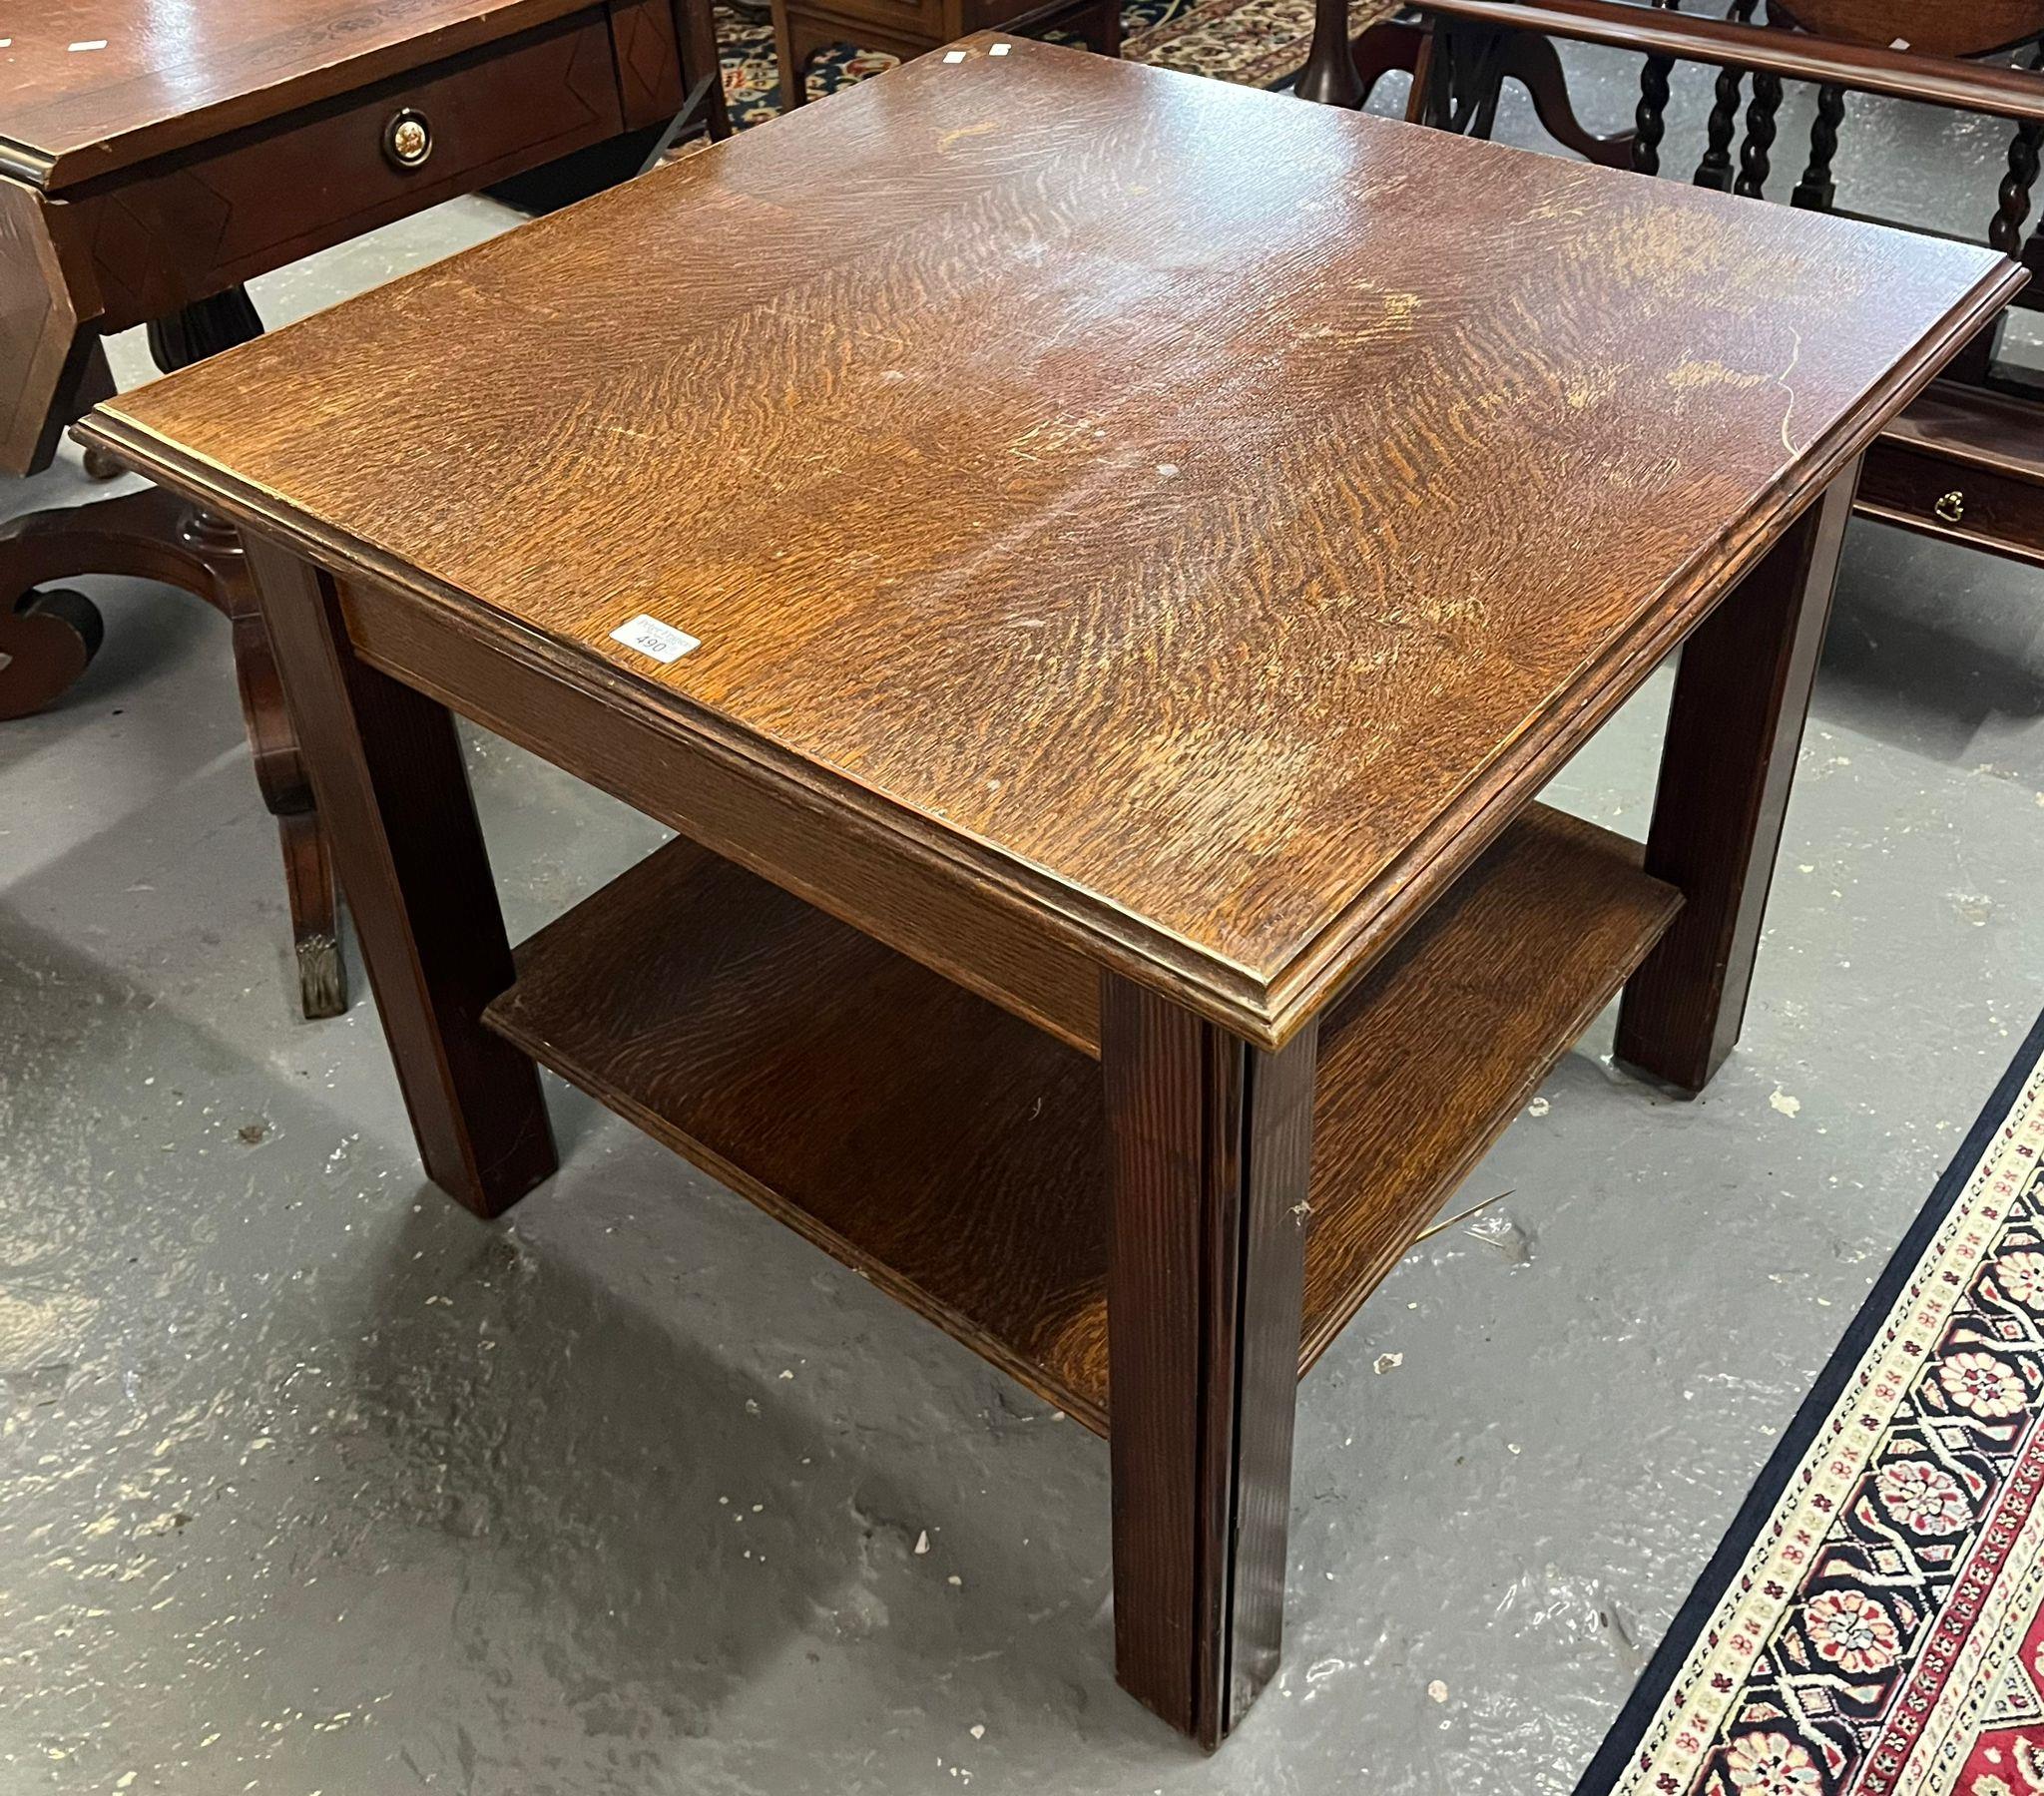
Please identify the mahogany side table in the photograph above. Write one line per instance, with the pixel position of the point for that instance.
(155, 156)
(1096, 564)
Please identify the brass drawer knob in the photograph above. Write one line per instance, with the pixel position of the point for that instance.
(409, 138)
(1952, 507)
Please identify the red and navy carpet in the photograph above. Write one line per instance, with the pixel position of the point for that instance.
(1259, 43)
(1873, 1623)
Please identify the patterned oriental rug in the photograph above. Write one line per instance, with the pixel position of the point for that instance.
(1873, 1623)
(1259, 43)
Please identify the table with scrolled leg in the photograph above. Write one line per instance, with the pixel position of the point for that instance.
(153, 157)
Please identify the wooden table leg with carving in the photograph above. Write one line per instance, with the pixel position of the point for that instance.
(52, 633)
(207, 327)
(1345, 65)
(125, 202)
(1741, 693)
(151, 536)
(279, 774)
(1210, 1148)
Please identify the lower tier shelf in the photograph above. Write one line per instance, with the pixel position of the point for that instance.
(954, 1155)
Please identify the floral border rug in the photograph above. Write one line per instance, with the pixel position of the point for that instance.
(1259, 43)
(1874, 1624)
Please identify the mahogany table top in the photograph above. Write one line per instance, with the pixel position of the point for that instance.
(1193, 516)
(95, 85)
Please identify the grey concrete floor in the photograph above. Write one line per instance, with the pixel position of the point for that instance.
(309, 1482)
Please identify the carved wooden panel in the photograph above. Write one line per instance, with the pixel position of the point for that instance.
(47, 300)
(649, 64)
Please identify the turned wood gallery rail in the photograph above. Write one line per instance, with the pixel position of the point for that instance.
(1096, 565)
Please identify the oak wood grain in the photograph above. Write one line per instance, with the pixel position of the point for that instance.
(710, 1008)
(943, 1149)
(1199, 520)
(1494, 986)
(671, 774)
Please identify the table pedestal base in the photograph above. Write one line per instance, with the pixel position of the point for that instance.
(1344, 66)
(48, 635)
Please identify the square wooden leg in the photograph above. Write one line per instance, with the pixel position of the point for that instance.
(792, 52)
(1742, 694)
(387, 772)
(1211, 1143)
(1100, 28)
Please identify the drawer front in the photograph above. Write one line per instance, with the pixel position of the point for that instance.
(648, 59)
(922, 20)
(1975, 506)
(993, 15)
(264, 198)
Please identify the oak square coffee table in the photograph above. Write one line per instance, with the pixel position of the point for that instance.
(1096, 565)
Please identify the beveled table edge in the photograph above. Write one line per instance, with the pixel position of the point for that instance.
(1370, 924)
(1263, 1008)
(1097, 928)
(26, 164)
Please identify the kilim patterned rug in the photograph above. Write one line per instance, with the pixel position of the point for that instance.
(1873, 1623)
(1261, 43)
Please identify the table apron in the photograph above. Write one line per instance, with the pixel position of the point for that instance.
(825, 859)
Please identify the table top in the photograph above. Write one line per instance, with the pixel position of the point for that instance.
(1198, 518)
(95, 85)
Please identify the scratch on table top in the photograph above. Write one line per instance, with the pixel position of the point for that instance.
(1690, 374)
(1782, 381)
(965, 131)
(1592, 386)
(1063, 429)
(776, 308)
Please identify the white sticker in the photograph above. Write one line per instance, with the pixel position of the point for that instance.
(954, 55)
(651, 636)
(90, 44)
(1900, 44)
(998, 50)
